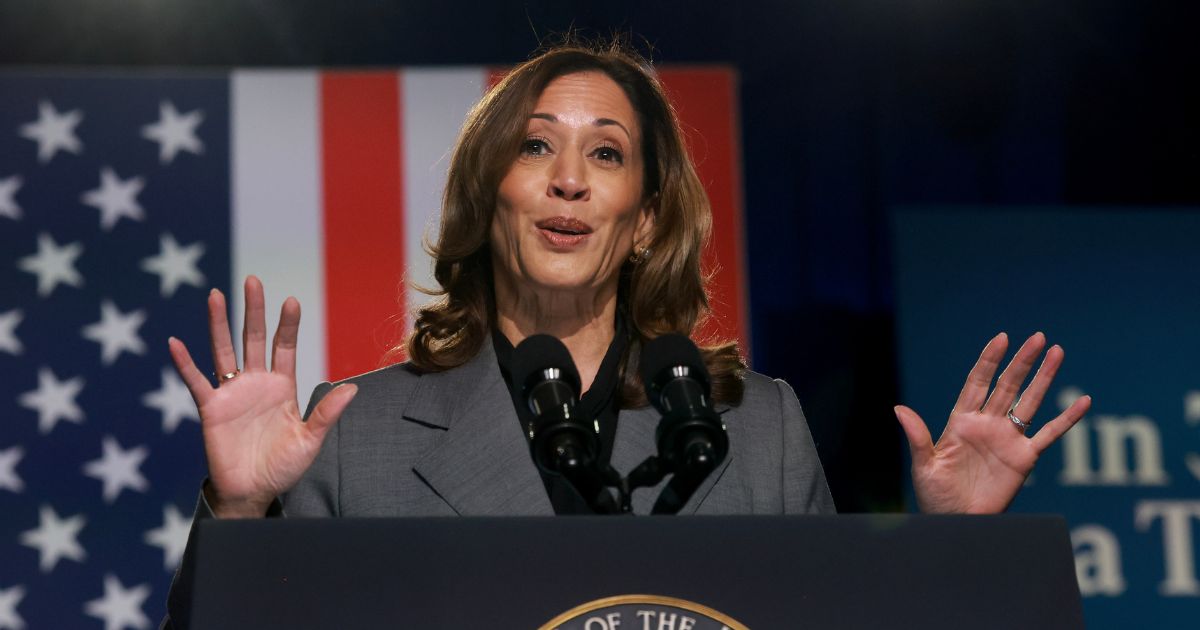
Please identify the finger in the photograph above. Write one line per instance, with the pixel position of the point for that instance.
(254, 328)
(1013, 377)
(195, 380)
(327, 412)
(224, 360)
(920, 444)
(283, 349)
(1054, 429)
(1031, 398)
(979, 380)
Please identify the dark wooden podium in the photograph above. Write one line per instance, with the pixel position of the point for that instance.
(864, 571)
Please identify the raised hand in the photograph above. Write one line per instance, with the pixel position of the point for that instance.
(256, 442)
(983, 456)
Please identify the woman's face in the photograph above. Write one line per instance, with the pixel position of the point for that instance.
(571, 208)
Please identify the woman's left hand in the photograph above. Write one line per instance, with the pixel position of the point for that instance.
(983, 457)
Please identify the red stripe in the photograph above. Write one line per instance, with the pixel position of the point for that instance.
(364, 227)
(705, 99)
(495, 75)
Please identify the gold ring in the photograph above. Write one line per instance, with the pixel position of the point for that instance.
(228, 377)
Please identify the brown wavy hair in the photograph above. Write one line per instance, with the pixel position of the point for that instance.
(661, 293)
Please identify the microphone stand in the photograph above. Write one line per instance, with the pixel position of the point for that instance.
(690, 439)
(592, 481)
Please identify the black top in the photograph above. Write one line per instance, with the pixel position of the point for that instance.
(598, 402)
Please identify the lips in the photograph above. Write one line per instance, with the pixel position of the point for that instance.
(564, 225)
(563, 232)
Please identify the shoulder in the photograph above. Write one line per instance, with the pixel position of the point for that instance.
(768, 409)
(764, 394)
(403, 391)
(385, 387)
(396, 376)
(772, 451)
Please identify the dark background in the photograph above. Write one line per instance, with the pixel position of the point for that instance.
(849, 109)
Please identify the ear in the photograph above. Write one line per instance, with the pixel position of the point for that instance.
(644, 231)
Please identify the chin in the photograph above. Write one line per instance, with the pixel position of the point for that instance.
(549, 269)
(561, 277)
(565, 284)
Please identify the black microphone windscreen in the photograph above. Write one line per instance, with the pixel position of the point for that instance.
(669, 351)
(539, 352)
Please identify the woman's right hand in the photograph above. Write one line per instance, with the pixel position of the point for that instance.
(256, 441)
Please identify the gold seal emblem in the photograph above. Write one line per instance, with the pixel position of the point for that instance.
(642, 612)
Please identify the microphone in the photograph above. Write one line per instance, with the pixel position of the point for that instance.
(691, 437)
(562, 441)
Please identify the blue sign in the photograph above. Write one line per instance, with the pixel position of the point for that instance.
(1119, 290)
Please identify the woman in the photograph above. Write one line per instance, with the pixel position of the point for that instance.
(571, 209)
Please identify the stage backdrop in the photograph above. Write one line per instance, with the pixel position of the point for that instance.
(1119, 289)
(125, 197)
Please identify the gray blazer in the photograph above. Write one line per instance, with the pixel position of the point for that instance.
(449, 443)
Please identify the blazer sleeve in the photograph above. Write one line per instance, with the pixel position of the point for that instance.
(805, 490)
(316, 494)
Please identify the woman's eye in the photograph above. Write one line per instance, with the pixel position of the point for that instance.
(535, 146)
(609, 154)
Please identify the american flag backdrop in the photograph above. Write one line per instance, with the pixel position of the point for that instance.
(125, 197)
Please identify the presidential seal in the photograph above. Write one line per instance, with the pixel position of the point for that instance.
(642, 612)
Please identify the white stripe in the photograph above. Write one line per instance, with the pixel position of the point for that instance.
(435, 104)
(277, 208)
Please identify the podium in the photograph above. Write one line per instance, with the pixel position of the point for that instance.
(635, 573)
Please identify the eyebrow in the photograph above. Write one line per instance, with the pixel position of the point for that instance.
(599, 122)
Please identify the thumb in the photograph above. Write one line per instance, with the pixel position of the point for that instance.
(327, 412)
(920, 444)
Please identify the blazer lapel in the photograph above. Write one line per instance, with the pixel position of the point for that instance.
(482, 467)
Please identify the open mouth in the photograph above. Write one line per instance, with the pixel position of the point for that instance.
(564, 226)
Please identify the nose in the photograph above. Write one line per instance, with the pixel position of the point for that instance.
(568, 179)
